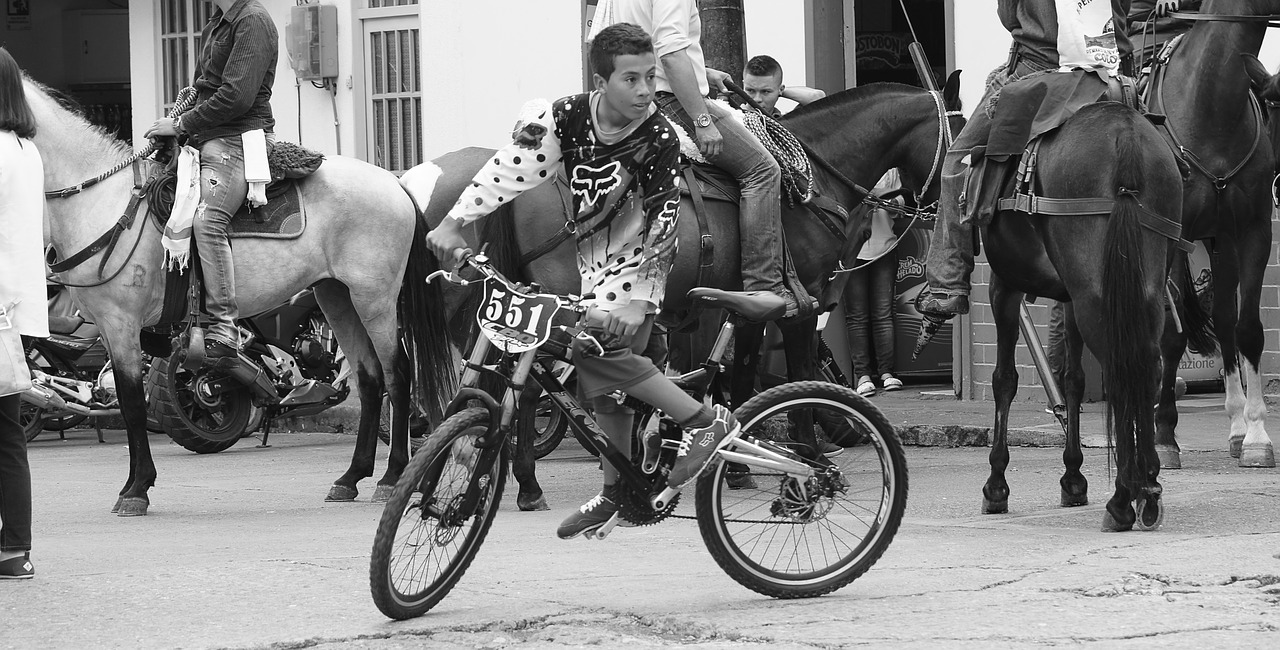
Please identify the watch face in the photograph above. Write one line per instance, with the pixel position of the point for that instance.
(703, 120)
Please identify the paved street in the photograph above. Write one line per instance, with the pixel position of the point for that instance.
(240, 551)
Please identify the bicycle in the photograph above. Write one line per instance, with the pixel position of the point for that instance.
(804, 526)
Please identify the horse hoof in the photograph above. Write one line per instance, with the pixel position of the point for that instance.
(1150, 514)
(341, 493)
(1110, 525)
(1257, 455)
(1170, 456)
(382, 493)
(1235, 445)
(132, 507)
(1070, 500)
(529, 505)
(116, 508)
(990, 507)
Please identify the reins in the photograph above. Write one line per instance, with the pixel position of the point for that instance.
(1272, 20)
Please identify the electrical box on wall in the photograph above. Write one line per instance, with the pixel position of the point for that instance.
(311, 38)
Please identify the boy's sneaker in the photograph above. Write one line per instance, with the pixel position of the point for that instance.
(699, 446)
(865, 387)
(590, 516)
(890, 382)
(17, 568)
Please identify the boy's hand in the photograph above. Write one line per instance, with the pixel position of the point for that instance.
(710, 141)
(624, 321)
(1163, 7)
(446, 241)
(716, 79)
(161, 128)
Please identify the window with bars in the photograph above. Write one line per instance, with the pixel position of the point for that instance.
(180, 24)
(374, 4)
(394, 86)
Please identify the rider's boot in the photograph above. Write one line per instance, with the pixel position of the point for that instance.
(600, 511)
(698, 447)
(800, 304)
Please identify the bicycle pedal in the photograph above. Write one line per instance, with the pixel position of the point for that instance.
(603, 530)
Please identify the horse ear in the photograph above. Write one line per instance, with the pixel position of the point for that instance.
(951, 91)
(1259, 78)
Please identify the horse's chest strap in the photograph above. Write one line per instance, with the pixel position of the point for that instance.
(108, 240)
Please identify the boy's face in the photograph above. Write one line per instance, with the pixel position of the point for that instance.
(764, 90)
(629, 90)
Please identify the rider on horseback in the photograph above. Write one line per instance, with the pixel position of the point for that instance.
(684, 81)
(233, 79)
(1048, 36)
(620, 156)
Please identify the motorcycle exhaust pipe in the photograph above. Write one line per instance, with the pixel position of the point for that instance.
(245, 371)
(44, 397)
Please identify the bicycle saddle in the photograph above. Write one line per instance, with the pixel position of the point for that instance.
(758, 306)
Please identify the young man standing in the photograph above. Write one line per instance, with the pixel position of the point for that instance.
(234, 75)
(620, 156)
(762, 79)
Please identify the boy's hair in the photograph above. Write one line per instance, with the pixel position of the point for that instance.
(15, 113)
(763, 66)
(617, 40)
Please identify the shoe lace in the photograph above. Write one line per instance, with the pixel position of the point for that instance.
(686, 441)
(595, 502)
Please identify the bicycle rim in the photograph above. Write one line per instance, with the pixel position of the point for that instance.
(788, 538)
(422, 548)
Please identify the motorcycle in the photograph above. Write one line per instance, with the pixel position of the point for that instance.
(291, 366)
(71, 376)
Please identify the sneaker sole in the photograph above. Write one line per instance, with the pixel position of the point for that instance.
(588, 529)
(26, 577)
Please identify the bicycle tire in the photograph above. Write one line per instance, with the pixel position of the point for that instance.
(434, 468)
(870, 495)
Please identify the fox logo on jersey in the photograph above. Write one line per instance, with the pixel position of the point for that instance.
(591, 183)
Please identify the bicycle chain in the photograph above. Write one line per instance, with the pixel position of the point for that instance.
(635, 509)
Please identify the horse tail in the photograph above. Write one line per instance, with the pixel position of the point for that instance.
(1129, 320)
(1197, 323)
(423, 328)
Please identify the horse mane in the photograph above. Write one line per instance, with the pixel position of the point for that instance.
(869, 92)
(75, 115)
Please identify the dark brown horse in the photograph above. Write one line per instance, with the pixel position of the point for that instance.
(1215, 121)
(862, 133)
(1110, 271)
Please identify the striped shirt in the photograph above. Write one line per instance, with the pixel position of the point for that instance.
(234, 74)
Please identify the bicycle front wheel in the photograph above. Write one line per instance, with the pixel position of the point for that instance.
(424, 543)
(796, 538)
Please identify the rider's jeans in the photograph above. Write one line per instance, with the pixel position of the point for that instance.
(222, 191)
(761, 209)
(15, 479)
(950, 258)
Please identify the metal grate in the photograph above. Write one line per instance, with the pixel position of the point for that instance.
(395, 98)
(180, 24)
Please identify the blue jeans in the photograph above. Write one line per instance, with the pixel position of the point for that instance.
(222, 191)
(760, 211)
(15, 479)
(868, 315)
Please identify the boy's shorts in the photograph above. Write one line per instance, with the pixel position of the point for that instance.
(619, 368)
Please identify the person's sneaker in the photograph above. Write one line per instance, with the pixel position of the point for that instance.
(17, 568)
(590, 516)
(699, 446)
(890, 382)
(865, 387)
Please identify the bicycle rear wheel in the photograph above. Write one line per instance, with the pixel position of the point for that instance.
(423, 544)
(791, 538)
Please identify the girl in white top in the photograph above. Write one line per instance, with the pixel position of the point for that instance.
(21, 281)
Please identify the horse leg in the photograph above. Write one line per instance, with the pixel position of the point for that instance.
(1172, 345)
(1075, 488)
(801, 344)
(1255, 449)
(121, 334)
(339, 309)
(523, 463)
(1226, 280)
(747, 343)
(1005, 305)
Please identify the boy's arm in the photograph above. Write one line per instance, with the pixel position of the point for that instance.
(802, 94)
(522, 165)
(661, 209)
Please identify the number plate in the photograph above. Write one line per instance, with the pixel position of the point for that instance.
(516, 322)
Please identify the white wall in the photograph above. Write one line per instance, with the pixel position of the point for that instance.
(777, 29)
(981, 44)
(314, 128)
(483, 59)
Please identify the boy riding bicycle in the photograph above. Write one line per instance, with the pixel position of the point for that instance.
(620, 156)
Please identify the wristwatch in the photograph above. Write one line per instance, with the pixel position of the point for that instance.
(702, 121)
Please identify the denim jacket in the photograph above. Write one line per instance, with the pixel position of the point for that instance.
(234, 74)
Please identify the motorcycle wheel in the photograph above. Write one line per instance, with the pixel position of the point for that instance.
(32, 419)
(205, 426)
(64, 422)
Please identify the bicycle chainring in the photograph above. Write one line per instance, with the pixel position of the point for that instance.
(634, 507)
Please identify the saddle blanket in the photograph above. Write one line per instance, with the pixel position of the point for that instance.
(283, 217)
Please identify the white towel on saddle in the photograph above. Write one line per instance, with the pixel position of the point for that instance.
(256, 169)
(186, 197)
